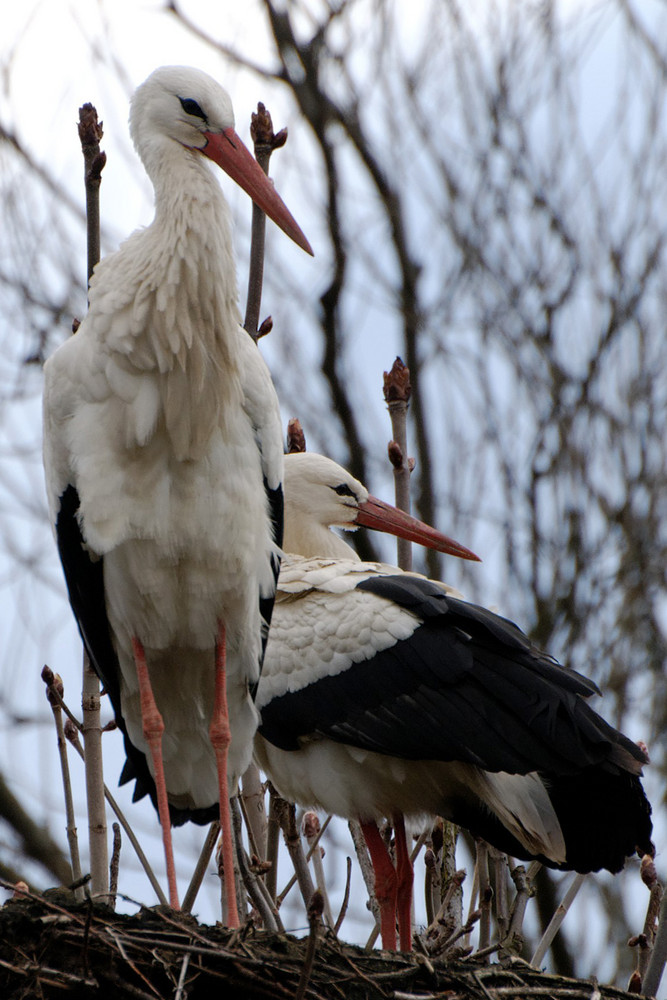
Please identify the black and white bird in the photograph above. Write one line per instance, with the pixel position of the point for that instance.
(163, 454)
(385, 695)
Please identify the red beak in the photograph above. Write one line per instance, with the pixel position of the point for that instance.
(382, 516)
(226, 149)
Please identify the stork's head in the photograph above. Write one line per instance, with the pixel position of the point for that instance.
(320, 494)
(186, 106)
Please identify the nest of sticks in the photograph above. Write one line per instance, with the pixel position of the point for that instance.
(50, 947)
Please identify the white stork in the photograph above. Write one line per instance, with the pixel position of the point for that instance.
(383, 695)
(163, 455)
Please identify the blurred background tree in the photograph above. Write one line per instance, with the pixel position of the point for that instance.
(484, 187)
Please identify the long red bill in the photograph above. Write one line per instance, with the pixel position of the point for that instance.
(227, 150)
(382, 516)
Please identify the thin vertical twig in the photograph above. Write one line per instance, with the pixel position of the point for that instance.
(265, 141)
(54, 694)
(90, 133)
(315, 908)
(97, 822)
(273, 842)
(201, 866)
(312, 832)
(397, 391)
(72, 735)
(114, 867)
(288, 825)
(645, 942)
(346, 896)
(656, 965)
(485, 893)
(253, 885)
(94, 159)
(557, 919)
(254, 811)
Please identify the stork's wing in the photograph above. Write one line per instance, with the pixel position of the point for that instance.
(437, 679)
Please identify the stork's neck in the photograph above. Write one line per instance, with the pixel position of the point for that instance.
(177, 279)
(305, 537)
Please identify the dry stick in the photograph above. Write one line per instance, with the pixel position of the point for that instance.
(90, 133)
(115, 865)
(72, 735)
(524, 891)
(292, 882)
(252, 884)
(557, 920)
(254, 811)
(656, 964)
(397, 390)
(200, 867)
(312, 832)
(315, 908)
(346, 896)
(273, 842)
(261, 130)
(645, 941)
(500, 901)
(97, 823)
(485, 894)
(368, 876)
(54, 693)
(292, 841)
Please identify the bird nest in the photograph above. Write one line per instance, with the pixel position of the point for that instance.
(50, 948)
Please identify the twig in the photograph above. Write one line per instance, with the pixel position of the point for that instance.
(252, 884)
(54, 693)
(524, 891)
(273, 842)
(346, 896)
(115, 864)
(368, 876)
(397, 390)
(557, 920)
(90, 133)
(656, 963)
(200, 867)
(254, 811)
(293, 880)
(315, 908)
(97, 824)
(287, 815)
(72, 735)
(261, 130)
(181, 979)
(312, 833)
(499, 865)
(485, 895)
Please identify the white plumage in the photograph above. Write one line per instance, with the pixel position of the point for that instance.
(163, 452)
(384, 694)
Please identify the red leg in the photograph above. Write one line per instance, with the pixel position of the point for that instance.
(220, 736)
(153, 728)
(385, 883)
(405, 878)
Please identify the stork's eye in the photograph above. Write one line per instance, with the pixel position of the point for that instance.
(344, 491)
(192, 108)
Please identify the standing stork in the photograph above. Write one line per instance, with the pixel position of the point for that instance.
(163, 455)
(385, 695)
